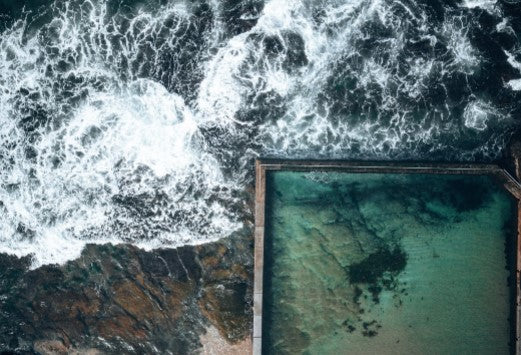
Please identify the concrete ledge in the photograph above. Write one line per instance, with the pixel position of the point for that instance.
(258, 268)
(518, 281)
(257, 346)
(257, 304)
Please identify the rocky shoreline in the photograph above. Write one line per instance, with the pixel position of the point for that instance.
(122, 299)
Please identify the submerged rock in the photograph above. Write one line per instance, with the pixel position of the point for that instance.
(371, 269)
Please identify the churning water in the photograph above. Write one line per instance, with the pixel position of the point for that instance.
(138, 121)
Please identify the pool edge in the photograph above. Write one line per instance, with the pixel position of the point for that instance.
(510, 183)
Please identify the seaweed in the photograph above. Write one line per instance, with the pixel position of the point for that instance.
(372, 269)
(375, 292)
(370, 328)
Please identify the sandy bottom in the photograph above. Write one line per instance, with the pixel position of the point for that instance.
(214, 344)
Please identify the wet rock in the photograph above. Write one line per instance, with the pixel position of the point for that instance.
(219, 305)
(513, 160)
(122, 299)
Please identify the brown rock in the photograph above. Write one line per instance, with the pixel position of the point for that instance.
(116, 298)
(223, 305)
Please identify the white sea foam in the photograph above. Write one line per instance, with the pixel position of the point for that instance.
(105, 138)
(484, 4)
(123, 165)
(511, 59)
(311, 124)
(515, 84)
(476, 116)
(465, 57)
(490, 6)
(134, 143)
(504, 26)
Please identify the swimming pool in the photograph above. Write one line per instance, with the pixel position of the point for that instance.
(366, 263)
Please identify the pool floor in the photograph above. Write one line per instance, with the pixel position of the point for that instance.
(387, 264)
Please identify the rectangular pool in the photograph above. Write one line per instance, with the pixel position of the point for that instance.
(379, 263)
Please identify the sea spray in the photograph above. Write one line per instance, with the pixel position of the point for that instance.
(138, 122)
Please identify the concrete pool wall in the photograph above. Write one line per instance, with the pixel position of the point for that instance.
(264, 165)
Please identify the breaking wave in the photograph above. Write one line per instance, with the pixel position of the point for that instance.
(138, 122)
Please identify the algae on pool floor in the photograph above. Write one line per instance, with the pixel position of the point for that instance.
(387, 264)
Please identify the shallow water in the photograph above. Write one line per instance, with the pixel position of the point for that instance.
(394, 264)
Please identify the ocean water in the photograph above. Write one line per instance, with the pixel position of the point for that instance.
(388, 264)
(138, 121)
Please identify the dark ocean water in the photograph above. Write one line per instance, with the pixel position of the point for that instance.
(138, 121)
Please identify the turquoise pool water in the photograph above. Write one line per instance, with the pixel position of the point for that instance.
(387, 264)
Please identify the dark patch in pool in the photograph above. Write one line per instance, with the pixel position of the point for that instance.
(377, 272)
(375, 292)
(464, 195)
(349, 327)
(372, 269)
(370, 328)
